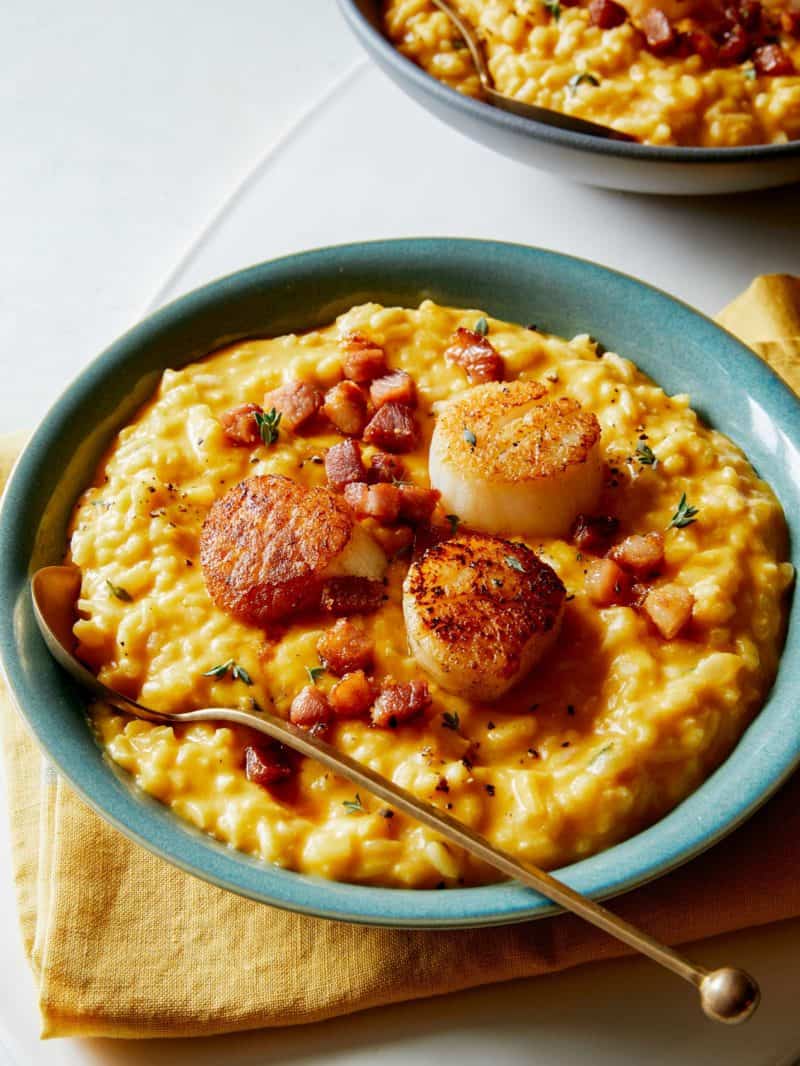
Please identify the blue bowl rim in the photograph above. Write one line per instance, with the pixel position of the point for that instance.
(196, 853)
(478, 110)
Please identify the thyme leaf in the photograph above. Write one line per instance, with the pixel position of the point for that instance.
(238, 673)
(118, 592)
(268, 423)
(646, 455)
(314, 672)
(354, 806)
(451, 721)
(481, 326)
(684, 516)
(582, 78)
(220, 670)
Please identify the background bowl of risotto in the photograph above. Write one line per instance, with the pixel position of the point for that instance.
(683, 351)
(702, 128)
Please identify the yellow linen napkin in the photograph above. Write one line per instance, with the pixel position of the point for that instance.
(123, 944)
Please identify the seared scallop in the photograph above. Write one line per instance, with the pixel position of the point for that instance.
(507, 459)
(480, 612)
(269, 545)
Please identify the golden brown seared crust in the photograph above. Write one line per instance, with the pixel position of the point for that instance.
(484, 597)
(512, 431)
(266, 543)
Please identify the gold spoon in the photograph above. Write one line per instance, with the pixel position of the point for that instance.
(518, 107)
(726, 995)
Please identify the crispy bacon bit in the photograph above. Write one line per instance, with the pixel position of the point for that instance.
(641, 555)
(397, 387)
(416, 504)
(400, 702)
(393, 428)
(351, 595)
(362, 359)
(266, 763)
(310, 709)
(385, 467)
(607, 583)
(476, 355)
(606, 14)
(297, 401)
(352, 697)
(381, 501)
(669, 608)
(239, 424)
(734, 45)
(346, 407)
(658, 31)
(773, 61)
(344, 648)
(343, 464)
(594, 532)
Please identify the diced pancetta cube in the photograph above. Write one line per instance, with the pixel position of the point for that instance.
(393, 428)
(607, 583)
(239, 424)
(310, 709)
(362, 359)
(476, 355)
(266, 763)
(345, 648)
(352, 697)
(396, 387)
(400, 703)
(669, 608)
(381, 501)
(640, 554)
(296, 401)
(343, 465)
(346, 407)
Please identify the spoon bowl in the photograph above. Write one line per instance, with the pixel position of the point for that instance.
(545, 115)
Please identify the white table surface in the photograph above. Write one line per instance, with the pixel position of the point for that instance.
(150, 147)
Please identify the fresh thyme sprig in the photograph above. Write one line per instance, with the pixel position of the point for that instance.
(268, 423)
(354, 806)
(684, 516)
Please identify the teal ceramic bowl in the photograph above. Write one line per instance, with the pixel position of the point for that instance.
(681, 349)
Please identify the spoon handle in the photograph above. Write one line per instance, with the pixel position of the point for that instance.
(740, 1001)
(726, 995)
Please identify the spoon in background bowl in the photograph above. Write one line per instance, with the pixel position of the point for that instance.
(726, 994)
(517, 107)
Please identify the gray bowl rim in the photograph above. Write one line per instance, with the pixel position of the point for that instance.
(477, 110)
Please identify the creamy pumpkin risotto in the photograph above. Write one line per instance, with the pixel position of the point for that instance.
(592, 588)
(668, 72)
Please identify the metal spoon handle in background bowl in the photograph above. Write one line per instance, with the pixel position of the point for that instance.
(726, 994)
(518, 107)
